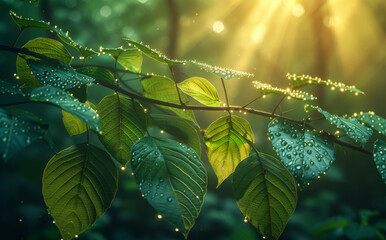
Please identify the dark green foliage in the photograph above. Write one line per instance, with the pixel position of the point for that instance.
(11, 88)
(172, 178)
(79, 184)
(18, 128)
(306, 153)
(266, 193)
(97, 73)
(372, 120)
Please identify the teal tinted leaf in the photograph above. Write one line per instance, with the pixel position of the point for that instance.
(58, 75)
(201, 90)
(97, 73)
(265, 89)
(11, 88)
(130, 59)
(227, 145)
(172, 178)
(45, 46)
(266, 193)
(380, 157)
(25, 23)
(351, 127)
(164, 89)
(79, 184)
(297, 81)
(73, 125)
(306, 153)
(68, 103)
(225, 73)
(372, 120)
(180, 129)
(122, 124)
(152, 53)
(18, 129)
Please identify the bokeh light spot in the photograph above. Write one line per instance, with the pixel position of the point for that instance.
(218, 27)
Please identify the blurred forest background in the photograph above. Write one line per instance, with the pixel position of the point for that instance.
(343, 40)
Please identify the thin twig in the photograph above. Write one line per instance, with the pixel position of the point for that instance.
(252, 101)
(18, 36)
(278, 104)
(175, 83)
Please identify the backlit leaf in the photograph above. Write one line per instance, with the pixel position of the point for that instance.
(265, 89)
(79, 184)
(372, 120)
(73, 125)
(297, 81)
(180, 129)
(25, 23)
(18, 129)
(201, 90)
(380, 157)
(164, 89)
(306, 153)
(224, 73)
(154, 54)
(226, 141)
(266, 193)
(68, 103)
(122, 124)
(130, 59)
(58, 75)
(172, 178)
(97, 73)
(45, 46)
(351, 127)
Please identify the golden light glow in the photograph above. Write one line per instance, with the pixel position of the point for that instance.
(218, 27)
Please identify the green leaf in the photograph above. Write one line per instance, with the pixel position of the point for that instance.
(201, 90)
(224, 73)
(372, 120)
(25, 23)
(351, 127)
(45, 46)
(226, 141)
(73, 125)
(172, 178)
(122, 124)
(296, 94)
(58, 75)
(154, 54)
(266, 193)
(304, 80)
(164, 89)
(79, 184)
(68, 103)
(306, 153)
(380, 157)
(130, 59)
(97, 73)
(180, 129)
(7, 87)
(18, 129)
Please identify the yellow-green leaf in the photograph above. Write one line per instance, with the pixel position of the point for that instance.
(201, 90)
(73, 125)
(227, 142)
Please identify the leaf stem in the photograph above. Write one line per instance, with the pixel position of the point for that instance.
(252, 101)
(175, 83)
(18, 36)
(278, 104)
(226, 95)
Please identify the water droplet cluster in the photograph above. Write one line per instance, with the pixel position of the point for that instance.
(302, 80)
(68, 103)
(266, 88)
(371, 119)
(225, 73)
(57, 75)
(10, 88)
(380, 158)
(306, 153)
